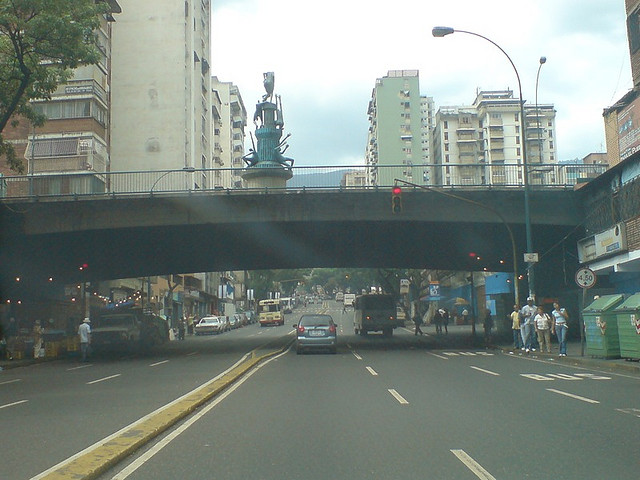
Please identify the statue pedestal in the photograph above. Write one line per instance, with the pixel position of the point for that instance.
(267, 175)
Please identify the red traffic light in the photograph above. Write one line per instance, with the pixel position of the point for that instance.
(396, 200)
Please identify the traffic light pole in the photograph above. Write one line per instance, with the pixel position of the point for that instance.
(487, 207)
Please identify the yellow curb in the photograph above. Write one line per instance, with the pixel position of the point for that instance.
(95, 462)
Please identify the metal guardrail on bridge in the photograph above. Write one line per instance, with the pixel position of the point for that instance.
(356, 177)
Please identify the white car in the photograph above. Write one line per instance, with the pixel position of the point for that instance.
(209, 325)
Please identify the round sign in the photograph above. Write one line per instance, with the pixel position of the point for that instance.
(585, 278)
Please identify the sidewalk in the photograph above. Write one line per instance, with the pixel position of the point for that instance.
(460, 337)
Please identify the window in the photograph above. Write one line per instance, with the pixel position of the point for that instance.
(517, 139)
(516, 116)
(633, 31)
(446, 135)
(517, 128)
(446, 124)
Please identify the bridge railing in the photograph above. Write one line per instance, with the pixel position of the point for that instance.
(349, 177)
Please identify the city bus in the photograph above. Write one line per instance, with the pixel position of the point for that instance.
(270, 312)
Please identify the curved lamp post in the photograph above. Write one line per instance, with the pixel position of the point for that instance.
(183, 169)
(514, 252)
(443, 31)
(543, 60)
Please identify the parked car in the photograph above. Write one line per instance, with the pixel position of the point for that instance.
(233, 321)
(209, 325)
(316, 332)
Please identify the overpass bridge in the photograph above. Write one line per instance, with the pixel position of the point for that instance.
(121, 235)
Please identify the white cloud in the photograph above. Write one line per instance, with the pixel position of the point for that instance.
(327, 57)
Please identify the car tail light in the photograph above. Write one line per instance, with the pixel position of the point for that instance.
(300, 329)
(332, 329)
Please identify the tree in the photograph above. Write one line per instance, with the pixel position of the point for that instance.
(41, 42)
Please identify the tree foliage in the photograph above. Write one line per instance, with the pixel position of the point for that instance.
(41, 41)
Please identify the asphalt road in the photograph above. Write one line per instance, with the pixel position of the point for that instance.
(403, 408)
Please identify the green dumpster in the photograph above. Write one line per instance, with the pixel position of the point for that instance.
(628, 317)
(601, 327)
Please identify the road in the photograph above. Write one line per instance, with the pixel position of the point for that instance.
(406, 407)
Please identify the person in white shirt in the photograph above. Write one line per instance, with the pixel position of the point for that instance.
(84, 331)
(527, 327)
(543, 322)
(559, 326)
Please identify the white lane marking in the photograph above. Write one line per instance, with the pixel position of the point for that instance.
(629, 411)
(78, 368)
(451, 354)
(592, 376)
(12, 404)
(398, 397)
(485, 371)
(104, 379)
(159, 363)
(372, 371)
(472, 465)
(99, 443)
(357, 356)
(174, 434)
(564, 376)
(571, 395)
(192, 353)
(535, 376)
(438, 356)
(11, 381)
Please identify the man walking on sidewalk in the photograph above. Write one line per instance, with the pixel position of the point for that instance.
(84, 331)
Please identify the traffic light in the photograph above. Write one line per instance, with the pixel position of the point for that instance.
(396, 200)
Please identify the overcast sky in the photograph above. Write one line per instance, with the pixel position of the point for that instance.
(327, 56)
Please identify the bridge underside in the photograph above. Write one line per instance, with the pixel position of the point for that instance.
(155, 236)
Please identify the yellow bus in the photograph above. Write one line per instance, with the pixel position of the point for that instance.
(270, 312)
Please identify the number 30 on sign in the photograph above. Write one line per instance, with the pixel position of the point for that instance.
(585, 278)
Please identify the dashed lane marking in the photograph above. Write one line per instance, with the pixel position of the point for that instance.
(104, 379)
(401, 400)
(485, 371)
(13, 404)
(357, 356)
(571, 395)
(372, 371)
(472, 465)
(159, 363)
(11, 381)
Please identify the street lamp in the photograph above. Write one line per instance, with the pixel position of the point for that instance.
(443, 31)
(543, 60)
(183, 169)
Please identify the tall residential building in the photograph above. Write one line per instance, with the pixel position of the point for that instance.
(75, 137)
(161, 107)
(230, 120)
(476, 144)
(398, 116)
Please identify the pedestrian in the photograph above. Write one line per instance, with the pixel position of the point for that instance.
(465, 316)
(417, 320)
(515, 326)
(437, 321)
(559, 327)
(190, 325)
(445, 320)
(543, 322)
(487, 323)
(181, 329)
(527, 328)
(84, 331)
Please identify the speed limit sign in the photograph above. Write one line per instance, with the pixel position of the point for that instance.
(585, 278)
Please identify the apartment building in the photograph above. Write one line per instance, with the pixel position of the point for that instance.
(399, 126)
(75, 138)
(229, 122)
(484, 142)
(161, 115)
